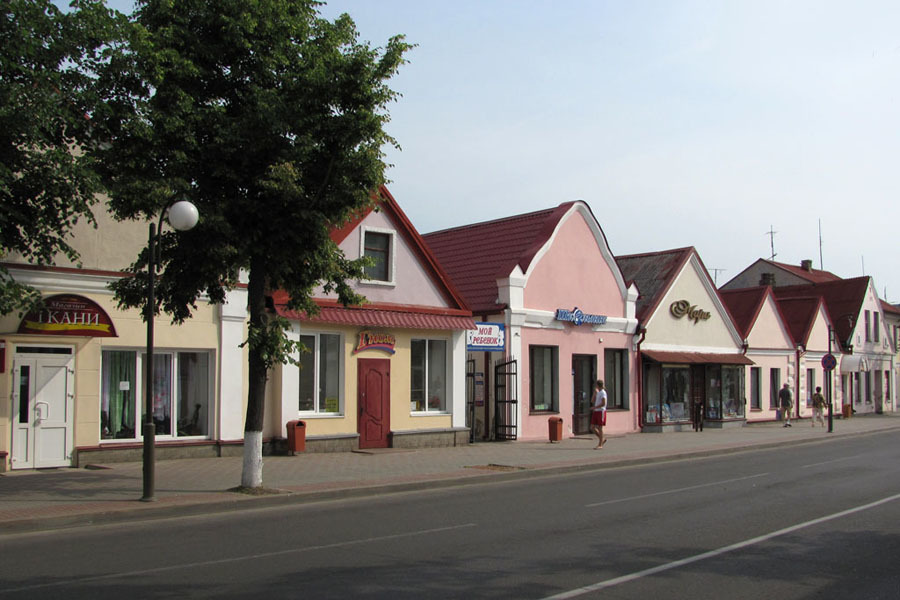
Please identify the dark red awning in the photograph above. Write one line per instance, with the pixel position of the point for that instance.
(377, 317)
(697, 358)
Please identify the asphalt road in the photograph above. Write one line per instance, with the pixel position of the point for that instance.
(810, 521)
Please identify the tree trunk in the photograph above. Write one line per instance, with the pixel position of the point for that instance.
(256, 394)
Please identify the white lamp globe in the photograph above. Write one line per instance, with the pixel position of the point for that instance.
(183, 215)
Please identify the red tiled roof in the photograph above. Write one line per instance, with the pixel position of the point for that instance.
(842, 298)
(653, 273)
(697, 358)
(812, 275)
(890, 308)
(800, 316)
(744, 306)
(379, 315)
(476, 255)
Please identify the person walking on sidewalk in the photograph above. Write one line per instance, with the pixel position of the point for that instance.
(818, 401)
(786, 400)
(598, 413)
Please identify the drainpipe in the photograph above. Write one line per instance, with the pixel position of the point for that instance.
(640, 377)
(800, 352)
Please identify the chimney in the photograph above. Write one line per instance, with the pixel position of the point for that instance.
(806, 265)
(767, 279)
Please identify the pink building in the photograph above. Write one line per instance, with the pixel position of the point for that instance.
(549, 284)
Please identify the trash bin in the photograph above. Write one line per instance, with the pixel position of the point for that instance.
(847, 411)
(296, 435)
(555, 429)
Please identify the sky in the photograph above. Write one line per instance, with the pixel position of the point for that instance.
(680, 122)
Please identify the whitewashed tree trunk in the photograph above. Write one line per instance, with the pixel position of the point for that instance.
(251, 476)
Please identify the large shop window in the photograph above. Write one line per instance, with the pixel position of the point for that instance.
(544, 362)
(428, 376)
(181, 394)
(615, 378)
(320, 374)
(667, 390)
(724, 397)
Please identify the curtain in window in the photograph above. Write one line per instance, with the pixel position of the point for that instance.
(117, 404)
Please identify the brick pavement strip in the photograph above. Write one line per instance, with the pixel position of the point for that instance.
(47, 499)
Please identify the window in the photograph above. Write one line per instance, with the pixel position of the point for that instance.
(377, 246)
(428, 376)
(755, 388)
(544, 364)
(876, 325)
(810, 386)
(615, 379)
(774, 386)
(868, 326)
(732, 395)
(320, 374)
(181, 394)
(676, 394)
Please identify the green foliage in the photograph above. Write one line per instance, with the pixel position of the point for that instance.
(47, 62)
(270, 119)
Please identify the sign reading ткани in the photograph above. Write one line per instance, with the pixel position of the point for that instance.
(576, 317)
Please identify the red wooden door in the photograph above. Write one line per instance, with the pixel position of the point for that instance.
(374, 398)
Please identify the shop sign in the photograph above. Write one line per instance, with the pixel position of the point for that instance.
(683, 308)
(372, 340)
(68, 314)
(486, 337)
(576, 317)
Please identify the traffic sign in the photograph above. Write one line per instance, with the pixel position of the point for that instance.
(829, 362)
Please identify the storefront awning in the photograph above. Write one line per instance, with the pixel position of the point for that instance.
(851, 363)
(373, 317)
(696, 358)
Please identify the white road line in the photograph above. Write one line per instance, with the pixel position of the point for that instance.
(713, 553)
(675, 491)
(222, 561)
(828, 462)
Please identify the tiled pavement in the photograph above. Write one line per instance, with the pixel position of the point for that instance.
(56, 498)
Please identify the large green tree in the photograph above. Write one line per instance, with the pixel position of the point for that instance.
(270, 119)
(48, 59)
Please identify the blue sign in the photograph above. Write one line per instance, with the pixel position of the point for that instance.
(577, 317)
(486, 337)
(829, 362)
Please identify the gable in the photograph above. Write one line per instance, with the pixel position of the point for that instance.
(575, 268)
(769, 331)
(670, 326)
(818, 335)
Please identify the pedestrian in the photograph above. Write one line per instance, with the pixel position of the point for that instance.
(786, 400)
(818, 401)
(598, 413)
(698, 416)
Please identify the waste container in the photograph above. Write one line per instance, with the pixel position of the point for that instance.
(296, 432)
(847, 411)
(555, 429)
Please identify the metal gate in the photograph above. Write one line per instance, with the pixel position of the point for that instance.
(470, 398)
(505, 399)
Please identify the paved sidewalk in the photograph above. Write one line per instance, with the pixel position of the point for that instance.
(58, 498)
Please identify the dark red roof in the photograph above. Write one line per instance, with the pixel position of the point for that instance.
(800, 316)
(744, 306)
(476, 255)
(811, 275)
(653, 273)
(890, 308)
(843, 299)
(381, 315)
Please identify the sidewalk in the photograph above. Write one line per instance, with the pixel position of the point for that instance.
(58, 498)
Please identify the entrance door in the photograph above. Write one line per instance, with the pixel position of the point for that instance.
(584, 374)
(43, 401)
(374, 398)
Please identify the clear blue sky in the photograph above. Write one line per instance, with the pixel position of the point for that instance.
(699, 123)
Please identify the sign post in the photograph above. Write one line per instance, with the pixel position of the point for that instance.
(829, 362)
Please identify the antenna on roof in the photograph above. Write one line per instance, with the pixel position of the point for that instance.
(821, 264)
(863, 259)
(716, 276)
(771, 233)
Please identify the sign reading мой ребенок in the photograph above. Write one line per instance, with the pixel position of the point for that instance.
(486, 337)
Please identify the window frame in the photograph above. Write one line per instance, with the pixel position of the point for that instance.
(390, 260)
(616, 386)
(554, 379)
(137, 387)
(755, 388)
(319, 399)
(427, 377)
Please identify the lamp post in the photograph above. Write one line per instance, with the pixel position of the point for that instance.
(182, 216)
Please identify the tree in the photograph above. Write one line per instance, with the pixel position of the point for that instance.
(47, 62)
(271, 120)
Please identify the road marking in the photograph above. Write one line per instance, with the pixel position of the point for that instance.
(222, 561)
(675, 491)
(713, 553)
(828, 462)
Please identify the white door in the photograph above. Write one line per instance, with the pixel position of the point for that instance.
(43, 401)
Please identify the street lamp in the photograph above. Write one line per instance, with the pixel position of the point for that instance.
(182, 216)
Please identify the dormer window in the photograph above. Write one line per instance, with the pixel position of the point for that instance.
(378, 244)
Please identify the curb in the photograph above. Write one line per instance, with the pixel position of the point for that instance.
(235, 501)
